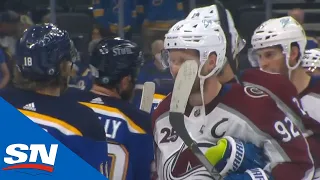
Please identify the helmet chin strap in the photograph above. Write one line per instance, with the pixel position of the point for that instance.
(202, 81)
(203, 104)
(287, 52)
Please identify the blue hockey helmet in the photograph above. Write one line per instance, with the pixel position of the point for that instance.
(41, 50)
(115, 59)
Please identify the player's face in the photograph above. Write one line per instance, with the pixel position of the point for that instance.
(177, 58)
(272, 60)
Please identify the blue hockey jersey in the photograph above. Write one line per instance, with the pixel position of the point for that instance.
(159, 13)
(128, 131)
(74, 125)
(311, 43)
(106, 13)
(162, 79)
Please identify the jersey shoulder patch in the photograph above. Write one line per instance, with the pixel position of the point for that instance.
(162, 108)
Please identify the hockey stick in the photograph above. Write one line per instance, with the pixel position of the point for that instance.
(147, 96)
(225, 27)
(181, 91)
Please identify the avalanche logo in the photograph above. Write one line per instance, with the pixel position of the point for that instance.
(35, 156)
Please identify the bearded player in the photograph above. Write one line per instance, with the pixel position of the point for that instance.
(128, 129)
(225, 120)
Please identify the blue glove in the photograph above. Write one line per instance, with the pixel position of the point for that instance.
(232, 155)
(84, 77)
(251, 174)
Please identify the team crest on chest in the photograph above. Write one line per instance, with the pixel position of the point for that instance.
(254, 92)
(183, 164)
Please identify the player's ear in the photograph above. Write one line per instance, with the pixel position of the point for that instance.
(211, 62)
(294, 55)
(125, 82)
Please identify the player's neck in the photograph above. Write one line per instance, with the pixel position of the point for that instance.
(211, 90)
(49, 91)
(227, 74)
(300, 79)
(104, 91)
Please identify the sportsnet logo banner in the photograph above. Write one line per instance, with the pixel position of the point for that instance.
(28, 152)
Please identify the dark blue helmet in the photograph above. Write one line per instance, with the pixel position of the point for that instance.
(115, 59)
(41, 50)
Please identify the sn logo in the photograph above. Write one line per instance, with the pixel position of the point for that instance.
(18, 157)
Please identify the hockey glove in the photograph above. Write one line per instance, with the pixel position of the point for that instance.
(251, 174)
(234, 155)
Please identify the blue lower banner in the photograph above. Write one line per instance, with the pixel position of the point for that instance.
(28, 152)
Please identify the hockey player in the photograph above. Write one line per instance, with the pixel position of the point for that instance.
(280, 50)
(43, 68)
(275, 83)
(128, 130)
(154, 71)
(311, 61)
(280, 45)
(225, 118)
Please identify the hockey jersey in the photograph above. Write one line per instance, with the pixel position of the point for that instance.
(128, 131)
(258, 121)
(310, 98)
(282, 87)
(162, 79)
(106, 12)
(74, 125)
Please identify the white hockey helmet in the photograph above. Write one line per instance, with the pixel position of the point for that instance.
(280, 31)
(202, 35)
(311, 59)
(211, 13)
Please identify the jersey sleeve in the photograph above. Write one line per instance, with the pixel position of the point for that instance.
(141, 153)
(95, 153)
(287, 149)
(140, 147)
(90, 144)
(161, 109)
